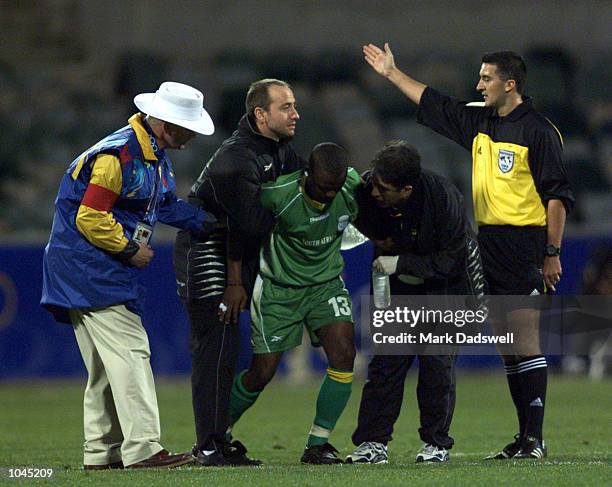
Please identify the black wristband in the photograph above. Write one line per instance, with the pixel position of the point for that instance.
(130, 250)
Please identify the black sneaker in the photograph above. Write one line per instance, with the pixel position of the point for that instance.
(532, 448)
(320, 455)
(224, 455)
(509, 451)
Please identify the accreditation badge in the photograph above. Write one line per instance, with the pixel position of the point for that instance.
(143, 233)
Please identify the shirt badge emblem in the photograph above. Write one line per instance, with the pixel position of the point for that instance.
(343, 222)
(505, 161)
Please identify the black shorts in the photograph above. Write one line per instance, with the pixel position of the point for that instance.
(512, 258)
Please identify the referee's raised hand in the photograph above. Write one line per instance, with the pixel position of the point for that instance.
(382, 61)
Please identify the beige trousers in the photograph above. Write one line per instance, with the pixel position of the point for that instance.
(120, 414)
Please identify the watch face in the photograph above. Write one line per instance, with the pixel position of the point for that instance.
(552, 251)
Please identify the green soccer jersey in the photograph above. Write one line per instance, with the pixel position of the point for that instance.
(304, 247)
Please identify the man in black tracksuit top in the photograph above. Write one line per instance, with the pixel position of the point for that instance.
(229, 186)
(521, 199)
(417, 220)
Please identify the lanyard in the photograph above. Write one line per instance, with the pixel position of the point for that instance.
(151, 212)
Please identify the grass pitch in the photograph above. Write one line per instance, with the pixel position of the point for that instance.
(40, 426)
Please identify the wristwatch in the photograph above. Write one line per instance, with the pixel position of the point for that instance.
(552, 251)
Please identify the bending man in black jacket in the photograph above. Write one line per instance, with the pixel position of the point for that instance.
(229, 186)
(417, 220)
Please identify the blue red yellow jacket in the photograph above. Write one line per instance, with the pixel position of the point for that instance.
(104, 193)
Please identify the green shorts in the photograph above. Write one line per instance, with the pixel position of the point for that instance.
(279, 313)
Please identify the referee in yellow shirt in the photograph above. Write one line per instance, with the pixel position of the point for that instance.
(521, 198)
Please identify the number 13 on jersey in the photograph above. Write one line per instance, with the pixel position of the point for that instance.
(341, 306)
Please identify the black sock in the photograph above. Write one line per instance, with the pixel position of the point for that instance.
(514, 384)
(533, 373)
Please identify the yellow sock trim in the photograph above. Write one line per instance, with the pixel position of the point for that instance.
(338, 376)
(319, 431)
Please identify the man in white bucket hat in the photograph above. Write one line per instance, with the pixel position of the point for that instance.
(108, 202)
(177, 104)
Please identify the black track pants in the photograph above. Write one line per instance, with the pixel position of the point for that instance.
(382, 396)
(214, 353)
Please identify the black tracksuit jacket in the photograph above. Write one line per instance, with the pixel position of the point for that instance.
(229, 187)
(429, 233)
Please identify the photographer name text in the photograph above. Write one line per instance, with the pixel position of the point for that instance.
(458, 338)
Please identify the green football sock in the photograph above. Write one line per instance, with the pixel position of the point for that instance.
(240, 399)
(333, 396)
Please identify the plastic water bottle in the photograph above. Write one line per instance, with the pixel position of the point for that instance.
(381, 289)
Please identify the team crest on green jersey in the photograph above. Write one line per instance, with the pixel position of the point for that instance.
(343, 222)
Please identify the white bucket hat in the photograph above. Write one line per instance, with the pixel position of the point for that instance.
(178, 104)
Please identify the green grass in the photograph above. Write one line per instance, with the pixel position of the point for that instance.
(40, 426)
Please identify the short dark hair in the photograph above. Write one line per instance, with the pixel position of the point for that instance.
(329, 157)
(397, 163)
(510, 65)
(258, 95)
